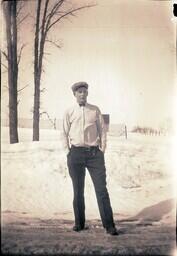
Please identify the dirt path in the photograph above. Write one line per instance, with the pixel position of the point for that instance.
(55, 237)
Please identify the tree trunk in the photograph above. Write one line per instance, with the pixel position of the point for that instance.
(36, 113)
(11, 33)
(39, 43)
(37, 77)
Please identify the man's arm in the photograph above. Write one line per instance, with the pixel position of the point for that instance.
(101, 131)
(65, 133)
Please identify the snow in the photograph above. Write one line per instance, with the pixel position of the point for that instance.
(35, 178)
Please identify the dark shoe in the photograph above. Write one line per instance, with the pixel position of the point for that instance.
(86, 227)
(77, 228)
(112, 231)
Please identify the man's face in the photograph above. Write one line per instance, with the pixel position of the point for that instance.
(81, 95)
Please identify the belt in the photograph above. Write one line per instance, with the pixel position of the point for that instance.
(89, 148)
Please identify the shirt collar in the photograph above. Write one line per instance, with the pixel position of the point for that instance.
(86, 104)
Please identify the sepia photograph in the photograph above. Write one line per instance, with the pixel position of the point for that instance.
(88, 127)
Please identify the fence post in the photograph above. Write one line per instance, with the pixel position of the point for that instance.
(126, 132)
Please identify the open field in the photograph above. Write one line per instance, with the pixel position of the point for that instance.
(36, 198)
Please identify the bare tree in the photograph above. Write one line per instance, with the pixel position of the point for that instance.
(12, 10)
(48, 14)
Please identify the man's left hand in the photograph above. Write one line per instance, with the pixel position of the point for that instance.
(102, 150)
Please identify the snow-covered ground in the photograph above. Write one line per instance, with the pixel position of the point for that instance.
(35, 179)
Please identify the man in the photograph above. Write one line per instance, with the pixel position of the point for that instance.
(85, 143)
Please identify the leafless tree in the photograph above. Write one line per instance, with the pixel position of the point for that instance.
(12, 55)
(48, 14)
(10, 13)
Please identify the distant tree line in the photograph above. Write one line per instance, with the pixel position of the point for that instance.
(151, 131)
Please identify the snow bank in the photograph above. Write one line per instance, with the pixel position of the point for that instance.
(35, 178)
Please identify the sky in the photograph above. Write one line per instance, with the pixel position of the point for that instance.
(125, 51)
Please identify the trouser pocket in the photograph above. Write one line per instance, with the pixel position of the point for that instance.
(77, 156)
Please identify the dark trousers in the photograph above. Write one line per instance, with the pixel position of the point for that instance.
(78, 159)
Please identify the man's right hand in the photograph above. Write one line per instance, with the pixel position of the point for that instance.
(67, 152)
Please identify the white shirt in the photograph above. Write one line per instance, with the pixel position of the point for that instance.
(83, 126)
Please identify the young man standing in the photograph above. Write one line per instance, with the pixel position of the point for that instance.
(85, 143)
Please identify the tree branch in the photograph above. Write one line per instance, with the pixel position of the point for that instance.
(20, 53)
(20, 6)
(5, 55)
(71, 12)
(42, 37)
(44, 16)
(52, 13)
(4, 72)
(47, 53)
(5, 86)
(43, 90)
(24, 18)
(4, 66)
(23, 88)
(54, 10)
(54, 43)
